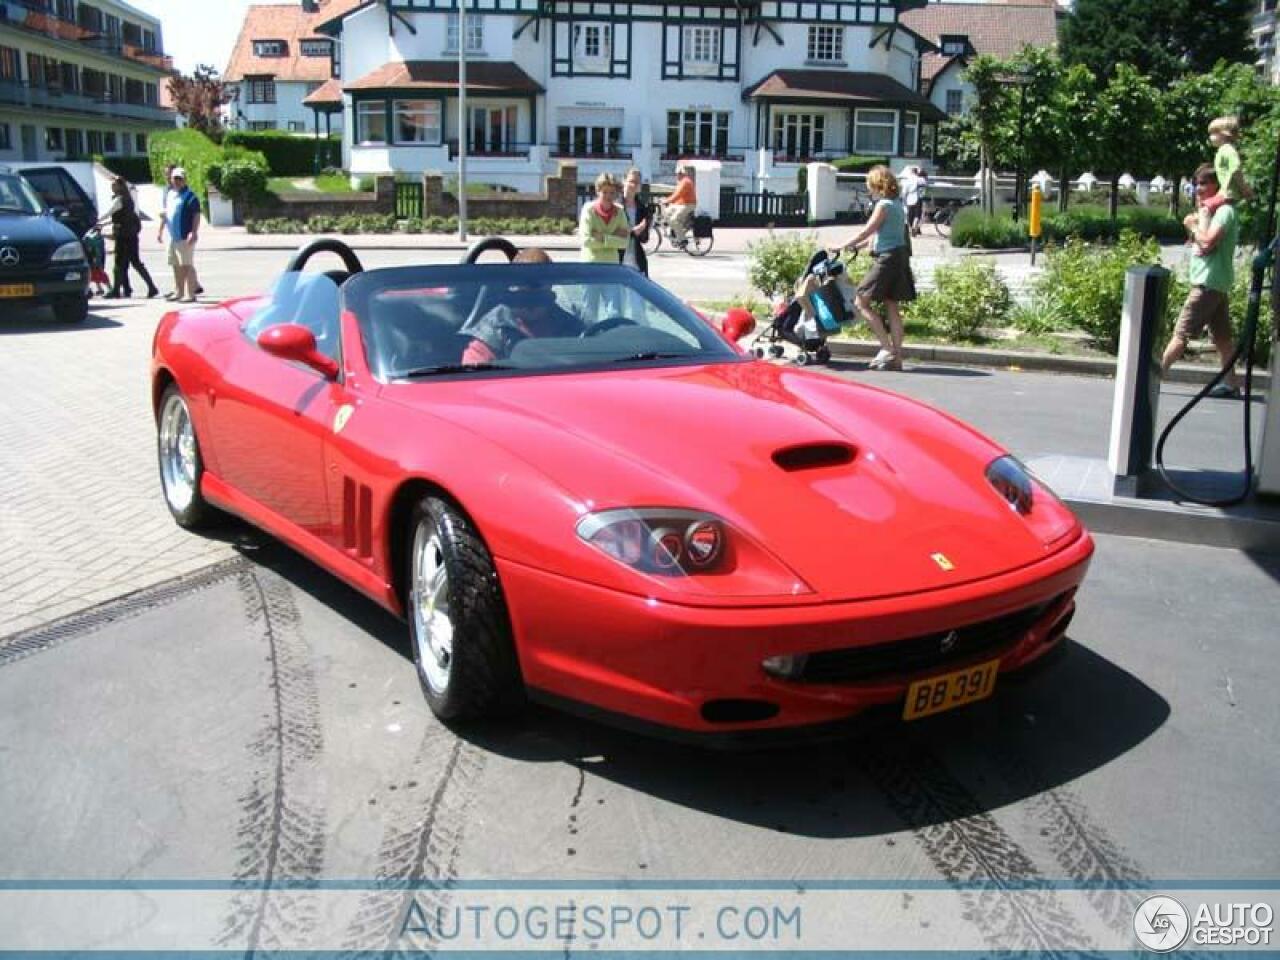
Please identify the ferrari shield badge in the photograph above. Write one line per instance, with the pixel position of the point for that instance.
(943, 563)
(342, 416)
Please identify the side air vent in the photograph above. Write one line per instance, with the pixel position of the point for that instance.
(811, 456)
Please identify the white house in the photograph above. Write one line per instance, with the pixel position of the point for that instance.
(278, 61)
(961, 30)
(762, 85)
(79, 79)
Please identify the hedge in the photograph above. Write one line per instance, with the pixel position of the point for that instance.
(287, 154)
(973, 229)
(133, 169)
(186, 148)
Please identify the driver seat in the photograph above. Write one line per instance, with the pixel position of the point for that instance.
(409, 334)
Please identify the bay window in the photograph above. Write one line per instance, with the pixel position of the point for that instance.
(875, 132)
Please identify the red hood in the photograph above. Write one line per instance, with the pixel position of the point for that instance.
(704, 438)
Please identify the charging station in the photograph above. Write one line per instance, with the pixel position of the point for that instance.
(1268, 481)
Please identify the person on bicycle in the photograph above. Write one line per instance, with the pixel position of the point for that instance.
(889, 279)
(680, 206)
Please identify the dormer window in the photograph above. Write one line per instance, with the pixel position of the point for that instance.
(954, 45)
(826, 44)
(315, 48)
(270, 48)
(475, 33)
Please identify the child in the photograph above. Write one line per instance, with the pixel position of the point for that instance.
(96, 248)
(1223, 134)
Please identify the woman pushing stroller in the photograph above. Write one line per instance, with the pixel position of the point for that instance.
(889, 279)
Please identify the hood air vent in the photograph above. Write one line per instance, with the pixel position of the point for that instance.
(811, 456)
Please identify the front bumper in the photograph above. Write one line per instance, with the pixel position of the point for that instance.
(47, 283)
(692, 669)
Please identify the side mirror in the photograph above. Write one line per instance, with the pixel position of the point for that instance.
(292, 341)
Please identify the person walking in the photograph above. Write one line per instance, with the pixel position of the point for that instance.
(1212, 272)
(166, 198)
(126, 226)
(913, 185)
(889, 280)
(639, 214)
(182, 221)
(603, 228)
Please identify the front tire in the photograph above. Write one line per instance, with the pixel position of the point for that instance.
(181, 465)
(699, 246)
(71, 309)
(458, 624)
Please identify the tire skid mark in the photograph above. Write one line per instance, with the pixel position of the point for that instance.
(282, 829)
(25, 643)
(975, 854)
(420, 849)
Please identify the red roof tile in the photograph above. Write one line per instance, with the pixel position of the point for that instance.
(329, 94)
(838, 87)
(287, 22)
(999, 27)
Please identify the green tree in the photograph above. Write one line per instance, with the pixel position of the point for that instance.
(199, 99)
(1124, 132)
(989, 118)
(1162, 39)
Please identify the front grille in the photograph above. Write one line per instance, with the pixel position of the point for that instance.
(923, 653)
(32, 257)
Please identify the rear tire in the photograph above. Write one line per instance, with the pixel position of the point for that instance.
(655, 239)
(458, 624)
(72, 309)
(942, 221)
(699, 246)
(181, 465)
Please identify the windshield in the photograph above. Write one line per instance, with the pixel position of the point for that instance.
(517, 319)
(16, 196)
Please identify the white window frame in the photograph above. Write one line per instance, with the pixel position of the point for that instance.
(910, 133)
(315, 48)
(428, 118)
(589, 35)
(702, 123)
(270, 48)
(366, 109)
(475, 33)
(826, 44)
(955, 103)
(859, 124)
(702, 46)
(809, 128)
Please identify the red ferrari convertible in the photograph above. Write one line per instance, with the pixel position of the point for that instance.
(574, 489)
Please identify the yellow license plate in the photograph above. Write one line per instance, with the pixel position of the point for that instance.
(950, 690)
(17, 290)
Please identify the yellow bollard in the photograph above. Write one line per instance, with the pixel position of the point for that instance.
(1033, 221)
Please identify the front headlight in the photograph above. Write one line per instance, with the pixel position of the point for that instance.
(1012, 482)
(691, 551)
(67, 252)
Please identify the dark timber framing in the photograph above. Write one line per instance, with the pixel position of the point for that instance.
(563, 55)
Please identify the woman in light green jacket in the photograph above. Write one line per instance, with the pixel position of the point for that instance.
(603, 227)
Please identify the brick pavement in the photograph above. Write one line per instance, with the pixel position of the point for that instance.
(81, 516)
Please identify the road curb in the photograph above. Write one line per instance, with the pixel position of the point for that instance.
(1021, 360)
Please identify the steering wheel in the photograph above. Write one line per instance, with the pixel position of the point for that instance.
(325, 245)
(491, 243)
(605, 325)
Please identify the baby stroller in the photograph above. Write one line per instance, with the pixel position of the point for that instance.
(815, 312)
(95, 250)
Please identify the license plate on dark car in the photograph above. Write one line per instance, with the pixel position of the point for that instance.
(17, 290)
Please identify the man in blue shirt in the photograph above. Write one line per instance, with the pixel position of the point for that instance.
(182, 219)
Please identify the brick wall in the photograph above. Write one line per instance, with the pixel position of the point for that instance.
(559, 199)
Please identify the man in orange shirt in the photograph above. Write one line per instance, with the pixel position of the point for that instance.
(680, 205)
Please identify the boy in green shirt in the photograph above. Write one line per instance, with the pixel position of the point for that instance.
(1212, 274)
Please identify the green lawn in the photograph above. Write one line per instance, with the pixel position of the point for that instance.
(325, 183)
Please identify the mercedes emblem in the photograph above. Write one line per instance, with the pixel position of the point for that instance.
(9, 256)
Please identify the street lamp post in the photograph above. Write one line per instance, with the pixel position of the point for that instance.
(462, 119)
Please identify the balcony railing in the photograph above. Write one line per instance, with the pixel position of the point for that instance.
(28, 15)
(513, 149)
(53, 98)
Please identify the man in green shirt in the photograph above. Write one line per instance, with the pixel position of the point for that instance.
(1212, 274)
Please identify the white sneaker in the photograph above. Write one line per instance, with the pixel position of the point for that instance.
(882, 359)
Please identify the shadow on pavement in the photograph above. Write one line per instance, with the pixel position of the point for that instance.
(857, 366)
(42, 320)
(1037, 734)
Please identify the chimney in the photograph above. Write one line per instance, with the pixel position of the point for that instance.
(310, 6)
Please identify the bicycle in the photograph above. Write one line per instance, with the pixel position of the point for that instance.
(942, 216)
(694, 245)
